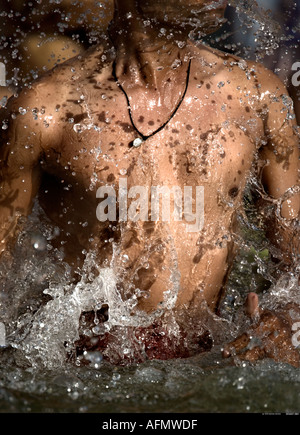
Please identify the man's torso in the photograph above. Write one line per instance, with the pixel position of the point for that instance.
(210, 142)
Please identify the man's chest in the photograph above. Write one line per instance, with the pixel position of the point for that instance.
(200, 142)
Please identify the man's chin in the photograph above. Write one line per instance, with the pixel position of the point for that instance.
(196, 22)
(201, 28)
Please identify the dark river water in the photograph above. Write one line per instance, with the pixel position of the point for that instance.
(202, 384)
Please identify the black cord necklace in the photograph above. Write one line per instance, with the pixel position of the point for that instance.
(141, 137)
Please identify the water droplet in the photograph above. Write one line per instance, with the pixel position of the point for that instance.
(38, 242)
(22, 111)
(3, 102)
(176, 63)
(181, 44)
(94, 357)
(242, 64)
(77, 128)
(116, 376)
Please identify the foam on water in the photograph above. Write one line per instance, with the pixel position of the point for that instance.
(42, 308)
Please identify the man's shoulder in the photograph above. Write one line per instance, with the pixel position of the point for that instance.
(42, 99)
(215, 64)
(252, 78)
(63, 76)
(97, 58)
(236, 67)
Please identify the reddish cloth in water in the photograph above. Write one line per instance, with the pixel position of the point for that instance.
(122, 345)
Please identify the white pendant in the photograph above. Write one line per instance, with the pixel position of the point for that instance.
(137, 142)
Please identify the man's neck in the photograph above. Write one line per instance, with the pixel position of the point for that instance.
(146, 55)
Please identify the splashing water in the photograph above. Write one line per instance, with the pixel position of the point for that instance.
(42, 311)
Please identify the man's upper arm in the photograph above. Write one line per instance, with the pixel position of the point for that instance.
(280, 176)
(280, 173)
(20, 149)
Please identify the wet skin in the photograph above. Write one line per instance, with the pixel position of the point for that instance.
(76, 136)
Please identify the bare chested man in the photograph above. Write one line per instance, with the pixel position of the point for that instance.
(153, 108)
